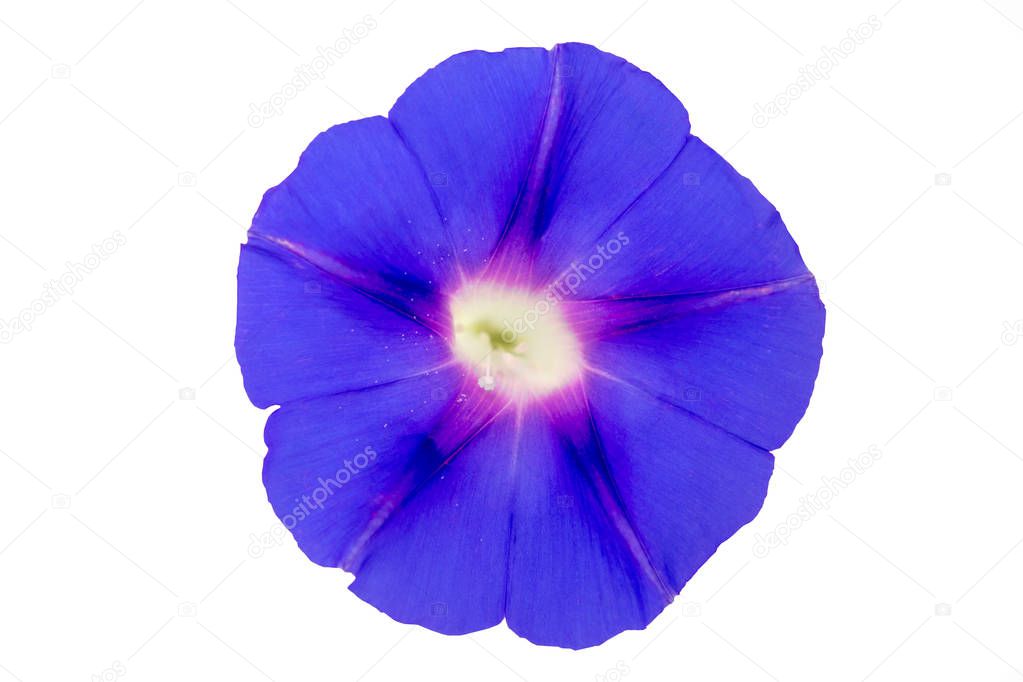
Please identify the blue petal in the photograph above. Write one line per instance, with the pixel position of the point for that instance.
(473, 121)
(523, 523)
(615, 512)
(302, 333)
(744, 360)
(688, 485)
(360, 198)
(441, 561)
(701, 227)
(617, 130)
(577, 572)
(527, 144)
(334, 463)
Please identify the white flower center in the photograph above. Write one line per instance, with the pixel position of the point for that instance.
(514, 341)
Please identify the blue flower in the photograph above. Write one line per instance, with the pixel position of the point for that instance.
(532, 342)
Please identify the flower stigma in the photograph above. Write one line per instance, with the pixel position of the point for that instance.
(513, 341)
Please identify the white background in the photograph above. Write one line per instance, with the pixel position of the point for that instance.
(127, 511)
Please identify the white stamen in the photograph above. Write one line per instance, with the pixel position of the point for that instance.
(487, 381)
(513, 338)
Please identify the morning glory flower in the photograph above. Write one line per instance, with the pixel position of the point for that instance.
(532, 341)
